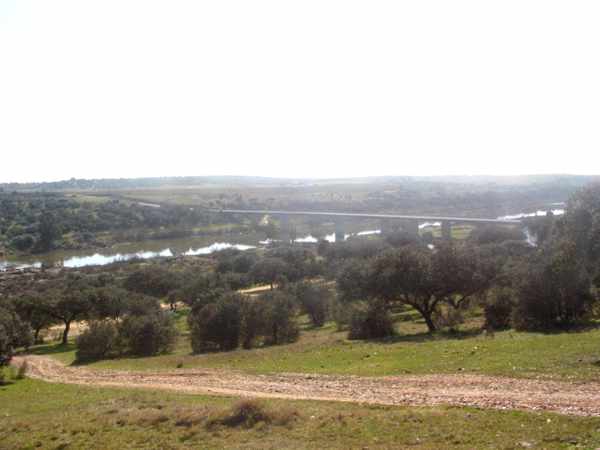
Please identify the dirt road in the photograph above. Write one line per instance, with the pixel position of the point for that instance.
(461, 390)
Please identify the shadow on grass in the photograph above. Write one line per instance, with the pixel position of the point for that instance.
(50, 349)
(582, 328)
(474, 332)
(430, 337)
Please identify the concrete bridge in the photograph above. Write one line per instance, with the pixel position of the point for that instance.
(410, 223)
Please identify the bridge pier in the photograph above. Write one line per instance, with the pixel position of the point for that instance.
(446, 230)
(340, 231)
(285, 231)
(411, 227)
(388, 226)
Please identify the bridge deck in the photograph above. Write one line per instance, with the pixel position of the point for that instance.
(370, 216)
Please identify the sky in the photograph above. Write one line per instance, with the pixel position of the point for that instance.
(128, 88)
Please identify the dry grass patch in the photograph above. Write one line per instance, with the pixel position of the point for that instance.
(249, 412)
(190, 417)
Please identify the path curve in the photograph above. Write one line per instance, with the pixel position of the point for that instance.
(581, 399)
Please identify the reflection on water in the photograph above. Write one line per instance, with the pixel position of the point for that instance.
(217, 247)
(310, 239)
(4, 265)
(368, 232)
(101, 260)
(422, 226)
(124, 252)
(540, 213)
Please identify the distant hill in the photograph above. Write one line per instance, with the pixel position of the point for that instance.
(75, 184)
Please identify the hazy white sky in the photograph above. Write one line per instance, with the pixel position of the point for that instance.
(123, 88)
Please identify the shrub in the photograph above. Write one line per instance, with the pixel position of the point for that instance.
(6, 348)
(153, 280)
(268, 270)
(14, 333)
(254, 323)
(280, 315)
(555, 293)
(370, 321)
(341, 313)
(148, 334)
(216, 326)
(315, 300)
(249, 412)
(97, 341)
(246, 413)
(498, 309)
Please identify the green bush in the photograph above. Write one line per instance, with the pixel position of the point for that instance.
(281, 322)
(315, 301)
(99, 340)
(148, 334)
(14, 333)
(254, 323)
(216, 326)
(498, 309)
(370, 321)
(555, 291)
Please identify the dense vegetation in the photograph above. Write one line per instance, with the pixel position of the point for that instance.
(38, 222)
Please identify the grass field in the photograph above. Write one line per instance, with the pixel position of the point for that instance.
(36, 414)
(568, 356)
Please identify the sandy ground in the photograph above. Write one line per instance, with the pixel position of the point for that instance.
(581, 399)
(55, 331)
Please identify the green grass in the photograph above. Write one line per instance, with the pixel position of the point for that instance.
(36, 414)
(573, 355)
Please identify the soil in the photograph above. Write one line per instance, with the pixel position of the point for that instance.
(481, 391)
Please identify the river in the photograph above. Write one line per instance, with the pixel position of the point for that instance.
(186, 246)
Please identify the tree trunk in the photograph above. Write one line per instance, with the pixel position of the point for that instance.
(65, 336)
(36, 335)
(429, 321)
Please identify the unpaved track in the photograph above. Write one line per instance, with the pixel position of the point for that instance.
(581, 399)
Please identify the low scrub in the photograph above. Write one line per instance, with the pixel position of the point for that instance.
(99, 340)
(248, 413)
(216, 326)
(498, 309)
(555, 292)
(370, 321)
(144, 335)
(315, 300)
(147, 335)
(233, 319)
